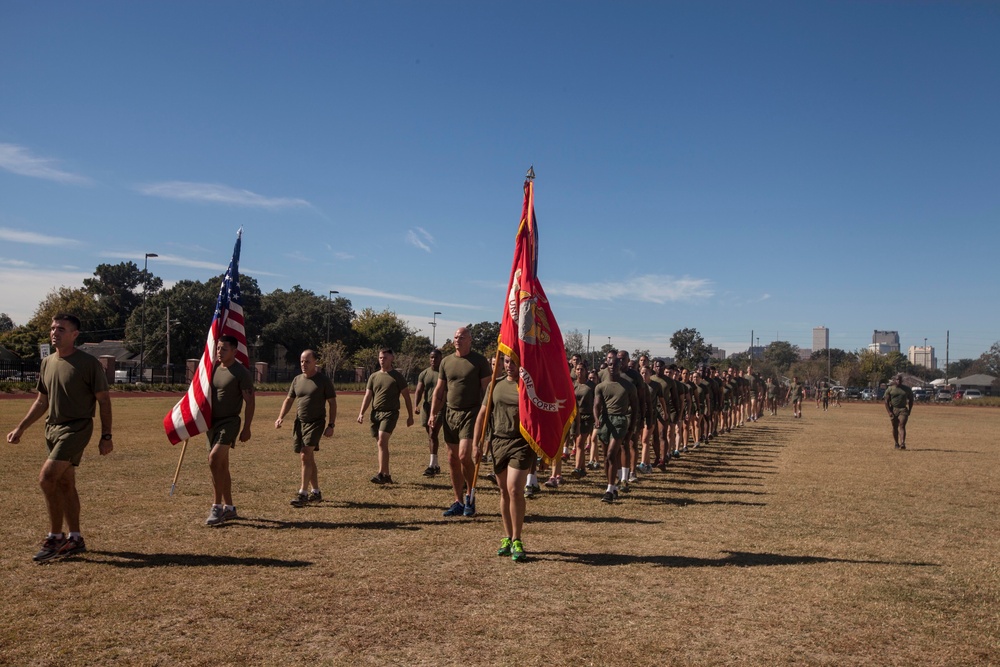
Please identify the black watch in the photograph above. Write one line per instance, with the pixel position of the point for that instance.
(106, 436)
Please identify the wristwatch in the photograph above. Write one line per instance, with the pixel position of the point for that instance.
(331, 425)
(106, 436)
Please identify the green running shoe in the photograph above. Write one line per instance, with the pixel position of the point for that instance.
(504, 549)
(517, 551)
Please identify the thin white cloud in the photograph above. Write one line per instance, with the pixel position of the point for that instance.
(33, 238)
(215, 193)
(24, 289)
(648, 288)
(14, 262)
(365, 291)
(175, 260)
(343, 255)
(19, 160)
(420, 238)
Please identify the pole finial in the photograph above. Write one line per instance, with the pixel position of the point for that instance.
(531, 173)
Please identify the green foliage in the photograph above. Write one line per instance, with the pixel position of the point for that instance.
(6, 324)
(484, 337)
(380, 329)
(24, 341)
(690, 349)
(118, 289)
(781, 354)
(299, 319)
(332, 356)
(573, 341)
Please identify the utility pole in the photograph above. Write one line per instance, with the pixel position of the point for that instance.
(145, 284)
(434, 328)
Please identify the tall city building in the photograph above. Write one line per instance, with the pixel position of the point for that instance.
(821, 338)
(920, 355)
(885, 341)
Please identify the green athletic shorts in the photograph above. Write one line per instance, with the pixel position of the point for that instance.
(307, 434)
(612, 426)
(459, 425)
(512, 453)
(224, 432)
(383, 421)
(67, 441)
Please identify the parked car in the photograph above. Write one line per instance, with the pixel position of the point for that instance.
(943, 395)
(837, 390)
(921, 394)
(853, 392)
(970, 394)
(867, 394)
(957, 395)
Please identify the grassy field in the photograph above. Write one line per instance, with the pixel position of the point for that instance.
(787, 542)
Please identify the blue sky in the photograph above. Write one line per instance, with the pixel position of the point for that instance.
(727, 166)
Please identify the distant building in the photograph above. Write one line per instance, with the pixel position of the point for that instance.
(889, 339)
(805, 354)
(882, 348)
(755, 352)
(716, 353)
(920, 355)
(821, 338)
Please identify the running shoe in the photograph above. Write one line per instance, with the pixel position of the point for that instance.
(504, 549)
(315, 497)
(608, 497)
(470, 507)
(578, 473)
(456, 509)
(381, 478)
(530, 491)
(299, 500)
(492, 476)
(632, 477)
(552, 483)
(50, 549)
(431, 471)
(229, 513)
(72, 546)
(675, 454)
(215, 517)
(517, 551)
(662, 464)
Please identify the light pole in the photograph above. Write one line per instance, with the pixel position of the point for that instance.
(329, 304)
(145, 284)
(434, 327)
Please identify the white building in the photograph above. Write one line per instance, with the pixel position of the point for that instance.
(821, 338)
(920, 355)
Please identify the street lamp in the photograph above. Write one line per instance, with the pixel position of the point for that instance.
(434, 326)
(328, 306)
(145, 284)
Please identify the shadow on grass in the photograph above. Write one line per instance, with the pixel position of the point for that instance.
(273, 524)
(134, 559)
(731, 559)
(535, 518)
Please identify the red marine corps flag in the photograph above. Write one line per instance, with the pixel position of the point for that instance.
(530, 335)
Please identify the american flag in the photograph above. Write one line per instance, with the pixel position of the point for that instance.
(193, 413)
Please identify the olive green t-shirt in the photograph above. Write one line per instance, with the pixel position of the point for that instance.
(654, 391)
(615, 395)
(429, 377)
(584, 400)
(898, 398)
(228, 385)
(386, 388)
(71, 384)
(505, 416)
(464, 376)
(312, 394)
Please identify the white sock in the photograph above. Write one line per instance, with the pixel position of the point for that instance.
(229, 507)
(472, 496)
(434, 461)
(58, 536)
(532, 480)
(74, 536)
(610, 489)
(301, 491)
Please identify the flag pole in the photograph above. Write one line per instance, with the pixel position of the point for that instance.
(173, 485)
(486, 421)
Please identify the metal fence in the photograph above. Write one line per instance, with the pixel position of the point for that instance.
(20, 371)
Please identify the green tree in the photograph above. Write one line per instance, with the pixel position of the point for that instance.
(689, 347)
(484, 337)
(118, 288)
(988, 362)
(75, 301)
(6, 324)
(573, 341)
(192, 306)
(299, 319)
(380, 329)
(781, 354)
(874, 367)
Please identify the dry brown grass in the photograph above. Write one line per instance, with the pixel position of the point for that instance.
(805, 542)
